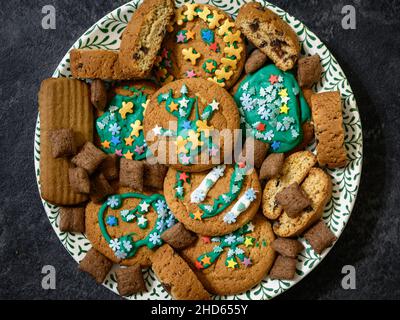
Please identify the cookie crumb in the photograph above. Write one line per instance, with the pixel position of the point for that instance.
(320, 237)
(95, 264)
(130, 280)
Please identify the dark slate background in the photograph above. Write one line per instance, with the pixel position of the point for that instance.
(370, 57)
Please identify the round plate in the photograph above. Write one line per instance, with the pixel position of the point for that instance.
(106, 34)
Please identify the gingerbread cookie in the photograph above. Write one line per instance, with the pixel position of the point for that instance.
(235, 262)
(215, 202)
(128, 226)
(273, 108)
(120, 128)
(203, 43)
(193, 108)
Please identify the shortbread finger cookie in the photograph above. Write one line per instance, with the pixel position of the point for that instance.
(329, 132)
(181, 120)
(267, 31)
(214, 202)
(176, 276)
(295, 168)
(318, 187)
(203, 43)
(236, 262)
(142, 38)
(97, 64)
(127, 227)
(120, 128)
(63, 104)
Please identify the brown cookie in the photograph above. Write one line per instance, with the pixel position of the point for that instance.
(202, 43)
(63, 103)
(176, 276)
(142, 38)
(130, 280)
(190, 196)
(126, 228)
(268, 32)
(236, 262)
(191, 149)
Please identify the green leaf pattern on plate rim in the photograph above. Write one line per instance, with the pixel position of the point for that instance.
(106, 34)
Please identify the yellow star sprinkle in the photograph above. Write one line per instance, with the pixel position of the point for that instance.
(188, 54)
(126, 108)
(194, 139)
(214, 21)
(202, 126)
(198, 215)
(284, 109)
(190, 13)
(209, 66)
(229, 63)
(283, 93)
(248, 242)
(222, 74)
(128, 155)
(224, 28)
(232, 51)
(106, 144)
(136, 127)
(206, 260)
(190, 35)
(128, 141)
(204, 14)
(232, 263)
(173, 106)
(180, 145)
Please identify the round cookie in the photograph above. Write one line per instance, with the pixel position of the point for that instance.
(236, 262)
(181, 120)
(120, 127)
(273, 108)
(127, 226)
(215, 202)
(202, 43)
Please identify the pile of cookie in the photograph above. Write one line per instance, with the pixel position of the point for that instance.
(150, 195)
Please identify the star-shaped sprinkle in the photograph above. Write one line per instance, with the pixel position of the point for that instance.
(144, 206)
(247, 262)
(185, 159)
(232, 264)
(283, 93)
(180, 38)
(183, 177)
(118, 153)
(136, 127)
(127, 107)
(191, 74)
(190, 35)
(198, 265)
(210, 67)
(194, 139)
(213, 151)
(206, 260)
(184, 89)
(248, 242)
(285, 99)
(206, 239)
(214, 46)
(128, 155)
(273, 79)
(180, 143)
(112, 221)
(198, 215)
(173, 106)
(214, 105)
(128, 141)
(164, 53)
(275, 145)
(187, 124)
(139, 149)
(242, 164)
(106, 144)
(284, 109)
(184, 102)
(261, 127)
(141, 221)
(250, 227)
(157, 130)
(115, 140)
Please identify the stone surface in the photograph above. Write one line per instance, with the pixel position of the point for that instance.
(368, 55)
